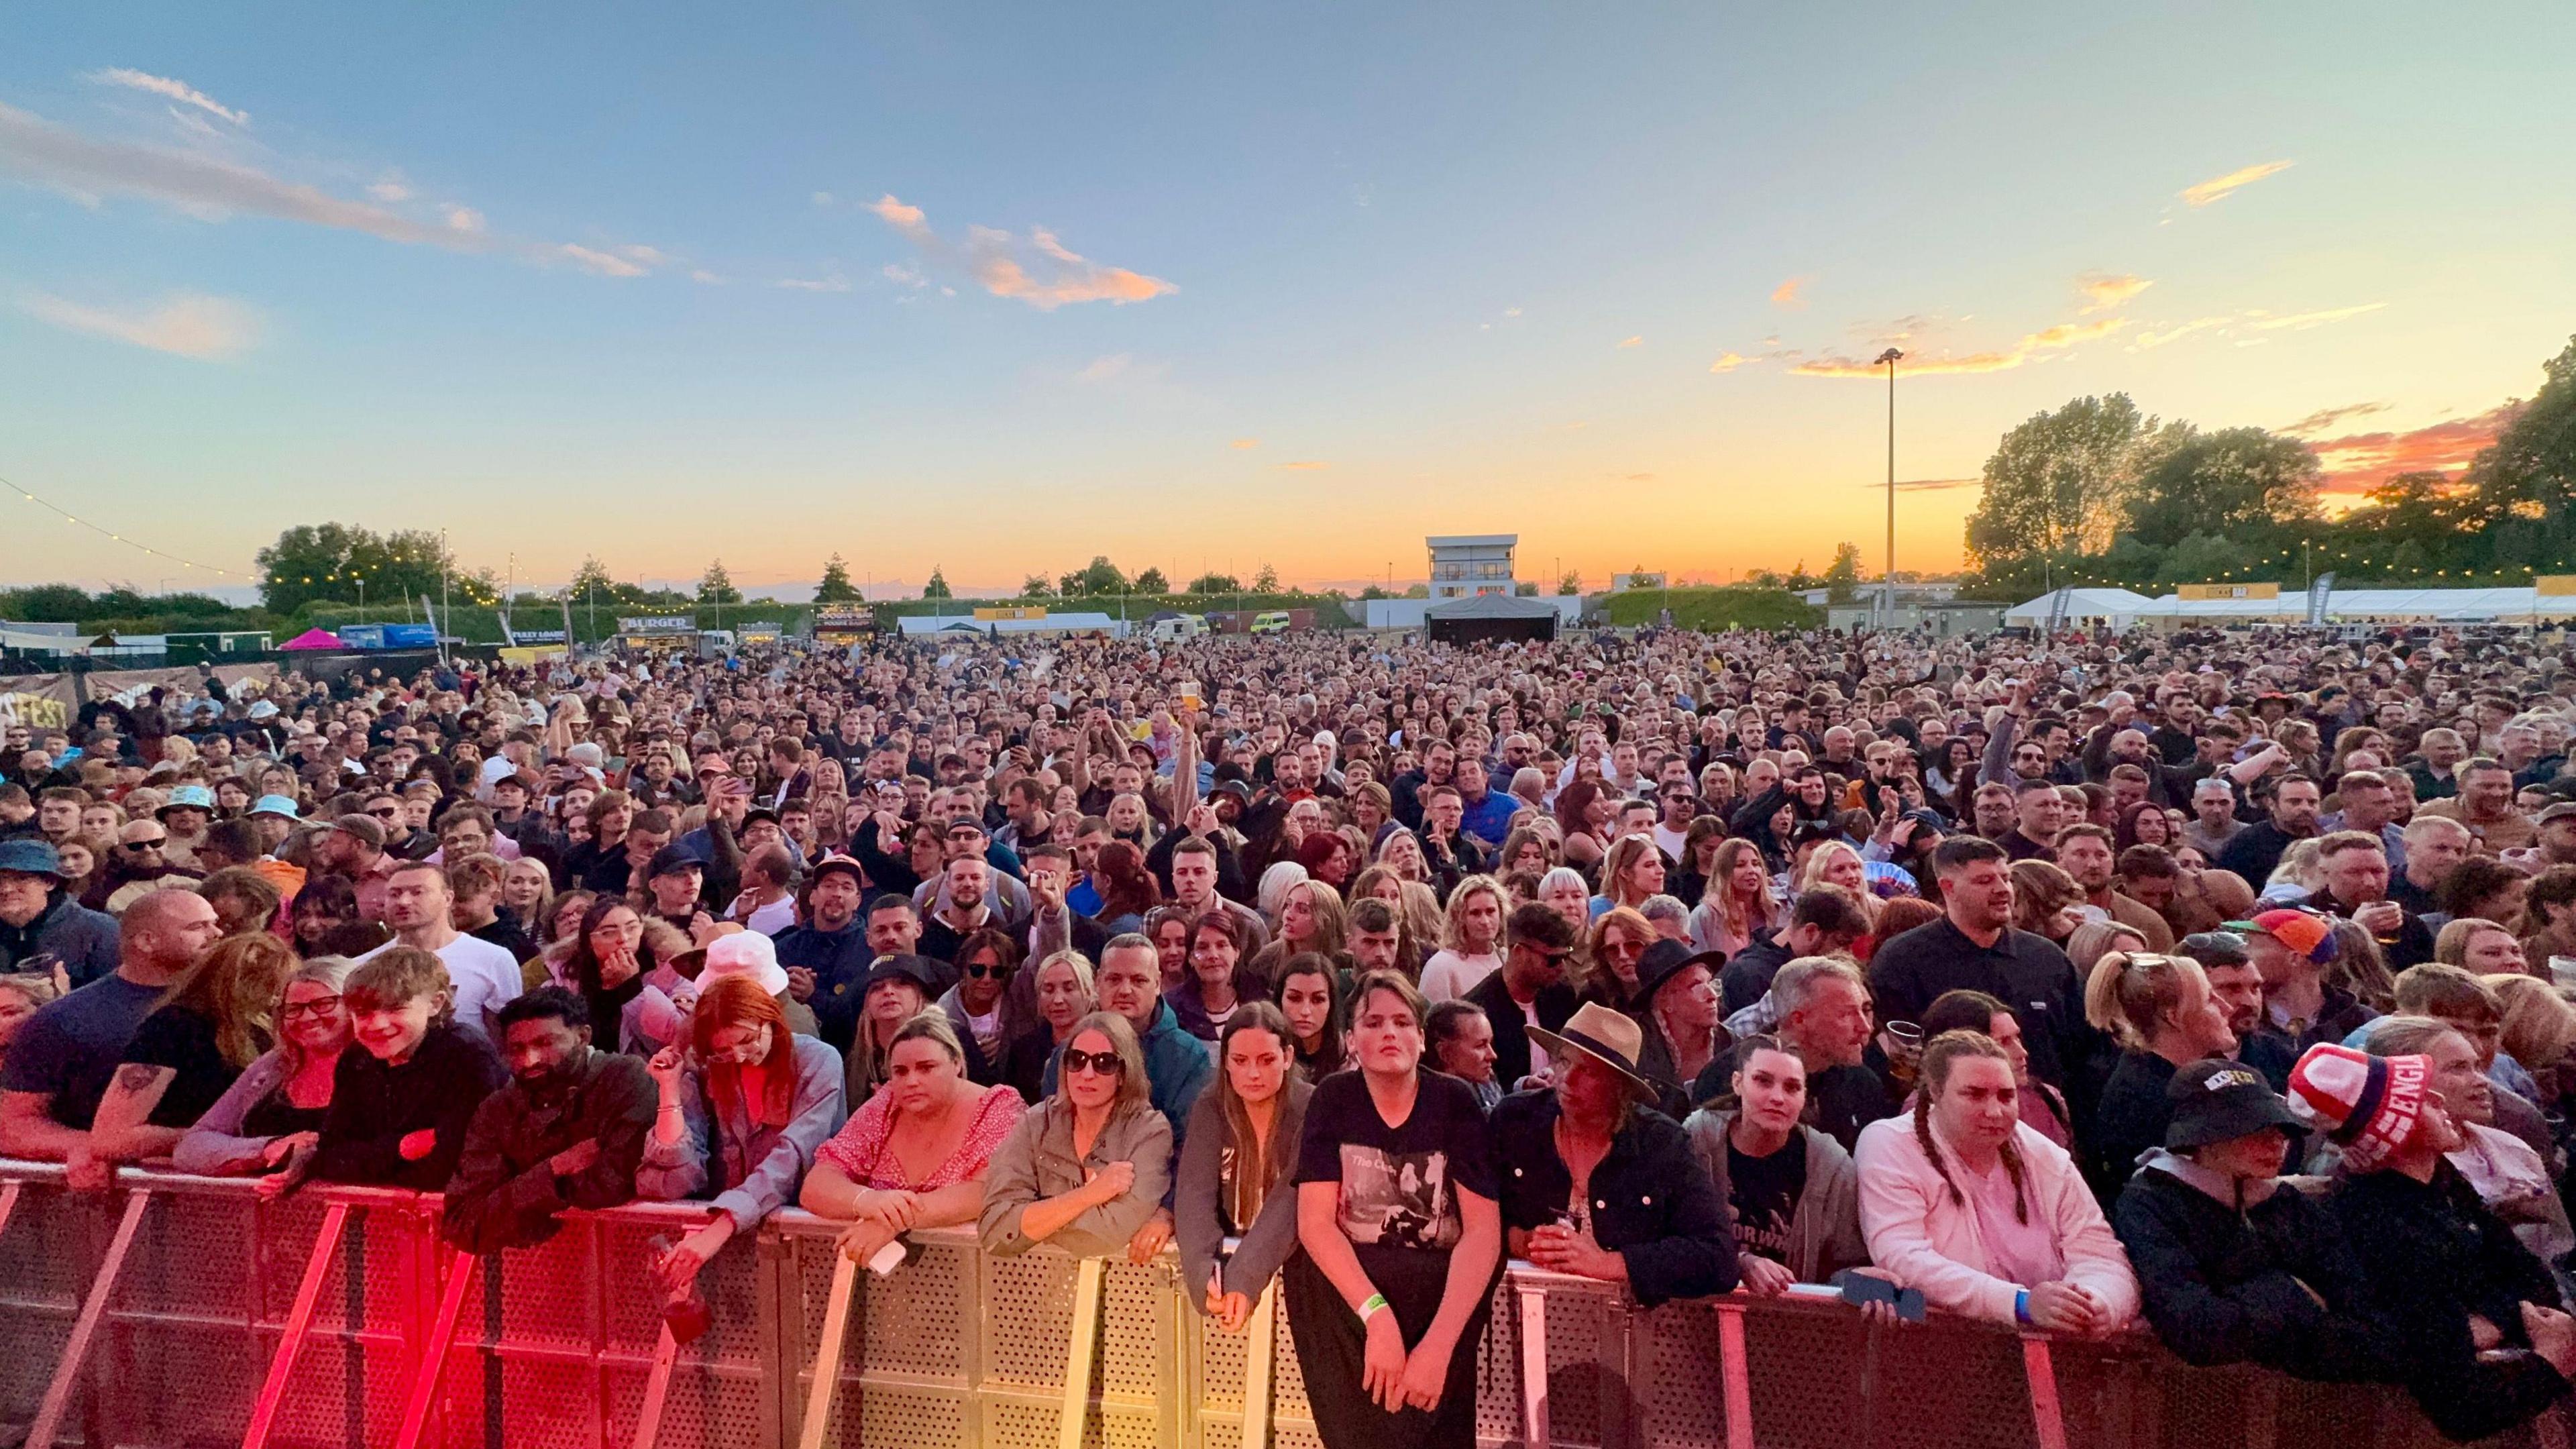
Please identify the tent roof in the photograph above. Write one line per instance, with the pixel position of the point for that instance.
(1492, 606)
(313, 639)
(2083, 604)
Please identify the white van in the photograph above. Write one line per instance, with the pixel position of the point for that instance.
(1176, 628)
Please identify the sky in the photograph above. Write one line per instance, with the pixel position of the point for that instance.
(997, 289)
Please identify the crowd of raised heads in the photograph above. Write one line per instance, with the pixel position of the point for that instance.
(2208, 984)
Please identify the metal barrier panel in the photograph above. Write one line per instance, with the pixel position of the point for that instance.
(554, 1346)
(555, 1342)
(48, 1253)
(202, 1300)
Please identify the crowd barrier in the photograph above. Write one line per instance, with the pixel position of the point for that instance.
(185, 1311)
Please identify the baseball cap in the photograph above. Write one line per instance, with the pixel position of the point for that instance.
(2220, 1100)
(670, 860)
(846, 865)
(2304, 932)
(921, 971)
(364, 827)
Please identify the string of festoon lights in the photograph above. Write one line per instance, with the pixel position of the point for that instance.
(69, 517)
(2320, 557)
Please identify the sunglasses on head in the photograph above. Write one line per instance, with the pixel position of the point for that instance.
(1104, 1064)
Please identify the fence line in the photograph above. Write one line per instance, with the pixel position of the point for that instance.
(190, 1311)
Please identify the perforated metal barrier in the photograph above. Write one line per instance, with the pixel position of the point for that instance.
(154, 1315)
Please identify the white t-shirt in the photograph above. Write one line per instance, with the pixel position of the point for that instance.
(773, 918)
(1670, 841)
(485, 978)
(1448, 976)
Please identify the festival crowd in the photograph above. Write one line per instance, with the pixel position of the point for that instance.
(2214, 984)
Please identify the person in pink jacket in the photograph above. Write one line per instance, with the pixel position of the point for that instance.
(1986, 1216)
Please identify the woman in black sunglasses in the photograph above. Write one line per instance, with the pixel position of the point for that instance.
(1086, 1168)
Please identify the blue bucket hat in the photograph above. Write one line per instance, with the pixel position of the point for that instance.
(190, 797)
(277, 805)
(30, 857)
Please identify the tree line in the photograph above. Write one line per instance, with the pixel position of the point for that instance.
(2098, 492)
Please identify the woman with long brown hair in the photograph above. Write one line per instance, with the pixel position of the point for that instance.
(743, 1108)
(1737, 908)
(1235, 1164)
(1985, 1216)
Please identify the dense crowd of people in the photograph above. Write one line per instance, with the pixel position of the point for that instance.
(2215, 983)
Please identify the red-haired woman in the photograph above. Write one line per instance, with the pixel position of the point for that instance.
(742, 1112)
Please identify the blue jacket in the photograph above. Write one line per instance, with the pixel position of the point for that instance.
(67, 931)
(1490, 819)
(1177, 1065)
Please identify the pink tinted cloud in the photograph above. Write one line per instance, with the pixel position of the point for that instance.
(1786, 294)
(1037, 269)
(2359, 462)
(2047, 339)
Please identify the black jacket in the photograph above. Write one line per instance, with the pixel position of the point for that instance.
(1746, 978)
(2223, 1286)
(2021, 970)
(374, 1107)
(1556, 1005)
(2433, 1255)
(2129, 1120)
(1652, 1202)
(505, 1195)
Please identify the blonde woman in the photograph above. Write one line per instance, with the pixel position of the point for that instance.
(1737, 907)
(1471, 939)
(2162, 1012)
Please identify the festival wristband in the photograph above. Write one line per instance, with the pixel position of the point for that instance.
(1370, 1305)
(2021, 1306)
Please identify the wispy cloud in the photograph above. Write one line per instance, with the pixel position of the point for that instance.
(91, 169)
(37, 150)
(2324, 418)
(2359, 462)
(1728, 362)
(1305, 465)
(2150, 340)
(2031, 346)
(1244, 445)
(161, 85)
(1786, 294)
(2302, 321)
(606, 264)
(188, 325)
(1105, 368)
(1636, 341)
(2104, 292)
(834, 282)
(390, 190)
(1926, 485)
(1036, 269)
(2219, 188)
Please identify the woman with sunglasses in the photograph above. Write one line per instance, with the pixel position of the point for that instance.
(743, 1108)
(990, 1019)
(1086, 1169)
(916, 1154)
(1397, 1213)
(271, 1116)
(1612, 948)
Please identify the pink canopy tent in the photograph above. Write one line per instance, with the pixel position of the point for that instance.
(314, 639)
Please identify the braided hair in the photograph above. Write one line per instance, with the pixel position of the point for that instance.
(1938, 1055)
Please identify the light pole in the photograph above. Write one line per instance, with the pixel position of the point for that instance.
(1887, 593)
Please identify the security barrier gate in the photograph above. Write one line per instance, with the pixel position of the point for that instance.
(187, 1311)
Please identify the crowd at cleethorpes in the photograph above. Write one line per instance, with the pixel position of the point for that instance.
(2219, 981)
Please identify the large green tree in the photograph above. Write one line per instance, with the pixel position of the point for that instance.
(1151, 581)
(1266, 581)
(1100, 576)
(2058, 485)
(1213, 583)
(937, 588)
(717, 586)
(1842, 576)
(2524, 484)
(327, 562)
(2241, 483)
(836, 587)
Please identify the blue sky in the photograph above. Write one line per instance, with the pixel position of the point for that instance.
(1298, 288)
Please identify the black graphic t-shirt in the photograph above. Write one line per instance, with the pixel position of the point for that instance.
(1764, 1192)
(1400, 1184)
